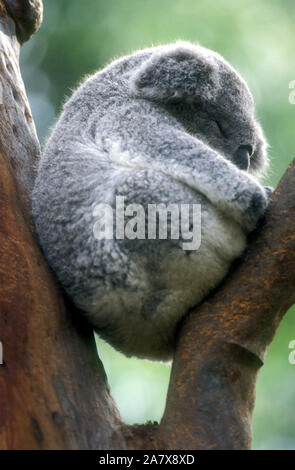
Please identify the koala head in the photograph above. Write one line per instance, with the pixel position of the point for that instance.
(208, 97)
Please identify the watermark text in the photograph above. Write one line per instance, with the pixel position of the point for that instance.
(183, 221)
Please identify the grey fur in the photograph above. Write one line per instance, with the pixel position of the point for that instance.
(169, 124)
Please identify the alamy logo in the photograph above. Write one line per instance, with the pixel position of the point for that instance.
(1, 92)
(292, 353)
(292, 93)
(183, 220)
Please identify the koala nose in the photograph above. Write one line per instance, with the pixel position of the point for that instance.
(242, 157)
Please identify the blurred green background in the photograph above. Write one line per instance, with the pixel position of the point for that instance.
(258, 39)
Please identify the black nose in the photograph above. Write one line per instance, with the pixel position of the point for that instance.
(242, 157)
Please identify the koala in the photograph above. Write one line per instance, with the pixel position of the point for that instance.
(171, 125)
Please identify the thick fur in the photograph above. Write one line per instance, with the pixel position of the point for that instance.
(169, 124)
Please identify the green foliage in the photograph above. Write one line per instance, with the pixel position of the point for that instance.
(78, 38)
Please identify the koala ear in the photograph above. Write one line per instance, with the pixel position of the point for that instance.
(182, 71)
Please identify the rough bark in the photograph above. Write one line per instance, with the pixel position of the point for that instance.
(53, 389)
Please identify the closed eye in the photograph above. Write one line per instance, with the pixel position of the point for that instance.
(220, 128)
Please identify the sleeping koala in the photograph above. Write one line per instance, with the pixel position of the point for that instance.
(173, 126)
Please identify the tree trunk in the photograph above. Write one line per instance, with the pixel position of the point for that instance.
(53, 388)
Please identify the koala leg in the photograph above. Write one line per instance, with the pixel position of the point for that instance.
(137, 310)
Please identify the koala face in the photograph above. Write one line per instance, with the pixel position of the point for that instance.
(208, 97)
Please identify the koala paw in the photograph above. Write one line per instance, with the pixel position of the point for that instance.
(253, 207)
(268, 190)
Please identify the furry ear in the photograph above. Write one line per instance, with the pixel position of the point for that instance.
(177, 72)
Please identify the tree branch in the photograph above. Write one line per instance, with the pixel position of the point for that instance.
(27, 16)
(222, 343)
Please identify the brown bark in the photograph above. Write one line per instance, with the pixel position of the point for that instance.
(53, 389)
